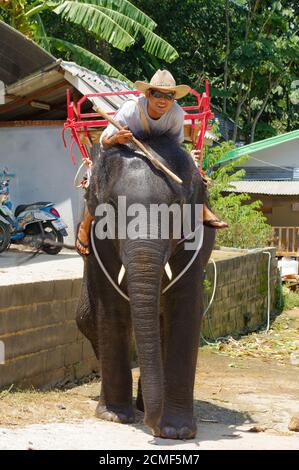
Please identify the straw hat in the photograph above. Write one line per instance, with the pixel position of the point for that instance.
(163, 81)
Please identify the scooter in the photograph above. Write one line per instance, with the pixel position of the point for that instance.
(29, 223)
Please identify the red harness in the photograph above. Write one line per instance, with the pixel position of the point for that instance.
(79, 122)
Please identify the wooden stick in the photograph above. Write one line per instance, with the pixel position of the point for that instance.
(148, 155)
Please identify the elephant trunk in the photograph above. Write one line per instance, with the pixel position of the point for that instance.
(144, 263)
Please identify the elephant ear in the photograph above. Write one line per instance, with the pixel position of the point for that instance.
(96, 191)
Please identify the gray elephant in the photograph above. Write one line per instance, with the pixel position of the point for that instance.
(166, 327)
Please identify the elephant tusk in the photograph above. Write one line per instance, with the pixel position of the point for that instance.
(168, 271)
(121, 274)
(123, 270)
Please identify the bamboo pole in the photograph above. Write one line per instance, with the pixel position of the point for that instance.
(138, 144)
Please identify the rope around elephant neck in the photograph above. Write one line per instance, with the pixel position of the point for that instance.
(167, 287)
(103, 267)
(190, 262)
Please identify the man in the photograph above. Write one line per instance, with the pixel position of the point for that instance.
(156, 112)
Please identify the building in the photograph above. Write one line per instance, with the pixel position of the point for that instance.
(272, 176)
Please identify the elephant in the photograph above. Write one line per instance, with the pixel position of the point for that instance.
(166, 327)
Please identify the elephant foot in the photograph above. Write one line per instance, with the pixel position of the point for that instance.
(176, 427)
(117, 414)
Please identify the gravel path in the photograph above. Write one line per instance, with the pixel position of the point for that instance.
(100, 435)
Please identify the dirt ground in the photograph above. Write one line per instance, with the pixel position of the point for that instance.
(246, 392)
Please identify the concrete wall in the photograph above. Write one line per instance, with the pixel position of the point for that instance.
(285, 155)
(44, 347)
(43, 169)
(240, 303)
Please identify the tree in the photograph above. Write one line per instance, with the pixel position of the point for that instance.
(265, 60)
(247, 49)
(247, 225)
(117, 22)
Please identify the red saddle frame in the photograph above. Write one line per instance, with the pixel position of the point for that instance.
(77, 121)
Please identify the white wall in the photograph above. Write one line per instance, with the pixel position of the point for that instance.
(286, 154)
(43, 169)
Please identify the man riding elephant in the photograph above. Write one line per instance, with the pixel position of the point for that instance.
(154, 113)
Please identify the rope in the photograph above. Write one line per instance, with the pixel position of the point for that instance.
(167, 287)
(104, 269)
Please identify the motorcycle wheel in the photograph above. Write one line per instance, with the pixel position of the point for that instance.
(4, 237)
(52, 234)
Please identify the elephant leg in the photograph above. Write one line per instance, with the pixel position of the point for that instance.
(104, 318)
(182, 319)
(115, 403)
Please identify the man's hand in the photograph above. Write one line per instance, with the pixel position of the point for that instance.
(206, 181)
(124, 136)
(195, 154)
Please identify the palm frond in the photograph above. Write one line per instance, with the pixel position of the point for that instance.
(94, 20)
(42, 35)
(87, 59)
(154, 44)
(126, 8)
(157, 46)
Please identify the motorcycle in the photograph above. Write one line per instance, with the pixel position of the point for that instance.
(29, 223)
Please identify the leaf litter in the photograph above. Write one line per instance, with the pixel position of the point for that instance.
(281, 342)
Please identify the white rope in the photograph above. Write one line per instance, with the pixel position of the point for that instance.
(167, 287)
(269, 291)
(189, 264)
(214, 288)
(77, 174)
(104, 269)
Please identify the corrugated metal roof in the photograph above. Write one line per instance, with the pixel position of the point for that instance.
(264, 173)
(274, 188)
(261, 145)
(19, 56)
(97, 83)
(66, 74)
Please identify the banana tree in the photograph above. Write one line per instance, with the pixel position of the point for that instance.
(118, 22)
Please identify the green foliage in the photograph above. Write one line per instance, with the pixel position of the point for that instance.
(261, 50)
(248, 50)
(87, 59)
(247, 225)
(207, 285)
(290, 299)
(263, 130)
